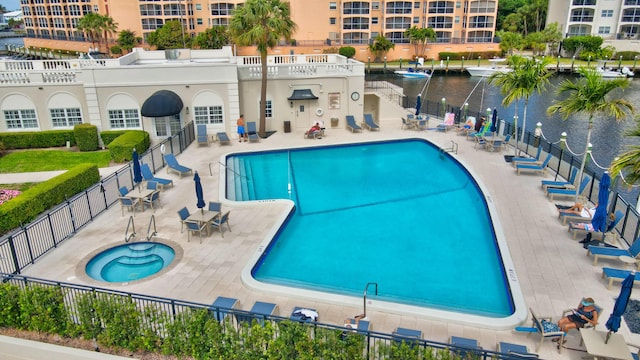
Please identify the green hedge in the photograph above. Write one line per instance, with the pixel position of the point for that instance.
(627, 55)
(31, 203)
(122, 147)
(86, 137)
(484, 55)
(37, 139)
(110, 135)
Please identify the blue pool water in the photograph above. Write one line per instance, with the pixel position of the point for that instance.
(130, 262)
(400, 214)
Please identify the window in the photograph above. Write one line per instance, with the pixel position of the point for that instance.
(355, 7)
(374, 20)
(416, 19)
(399, 7)
(151, 24)
(208, 114)
(441, 7)
(150, 10)
(65, 117)
(440, 22)
(332, 21)
(269, 109)
(333, 5)
(198, 6)
(398, 23)
(458, 5)
(416, 5)
(199, 21)
(124, 119)
(21, 119)
(604, 30)
(221, 9)
(375, 5)
(607, 13)
(456, 19)
(358, 23)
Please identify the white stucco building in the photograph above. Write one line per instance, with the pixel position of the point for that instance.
(211, 87)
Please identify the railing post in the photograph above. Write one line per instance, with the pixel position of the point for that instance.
(14, 255)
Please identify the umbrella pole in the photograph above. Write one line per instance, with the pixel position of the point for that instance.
(606, 339)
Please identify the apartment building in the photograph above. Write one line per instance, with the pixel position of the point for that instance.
(609, 19)
(459, 25)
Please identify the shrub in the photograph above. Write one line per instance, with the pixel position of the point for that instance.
(347, 51)
(26, 207)
(37, 139)
(110, 135)
(627, 55)
(122, 147)
(86, 137)
(468, 55)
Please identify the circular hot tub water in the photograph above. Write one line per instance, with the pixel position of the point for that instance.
(130, 262)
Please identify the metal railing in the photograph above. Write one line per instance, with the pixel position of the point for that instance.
(25, 245)
(376, 344)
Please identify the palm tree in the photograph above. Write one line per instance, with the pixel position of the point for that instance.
(419, 38)
(108, 27)
(629, 161)
(90, 25)
(527, 76)
(381, 45)
(590, 94)
(262, 23)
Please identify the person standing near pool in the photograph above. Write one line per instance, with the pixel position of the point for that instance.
(241, 133)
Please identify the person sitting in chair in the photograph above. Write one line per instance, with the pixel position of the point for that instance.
(579, 209)
(314, 131)
(586, 313)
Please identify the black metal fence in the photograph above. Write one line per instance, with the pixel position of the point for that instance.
(25, 245)
(376, 343)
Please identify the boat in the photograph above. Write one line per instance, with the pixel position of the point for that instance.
(486, 71)
(608, 72)
(413, 74)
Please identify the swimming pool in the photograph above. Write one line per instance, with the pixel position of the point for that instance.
(401, 214)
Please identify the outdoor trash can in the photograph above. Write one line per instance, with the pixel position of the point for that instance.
(334, 122)
(287, 126)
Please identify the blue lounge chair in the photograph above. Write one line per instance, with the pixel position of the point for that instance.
(534, 167)
(259, 312)
(612, 275)
(515, 351)
(369, 123)
(575, 227)
(505, 143)
(203, 138)
(351, 124)
(462, 345)
(173, 165)
(148, 176)
(517, 160)
(610, 252)
(560, 184)
(407, 333)
(568, 191)
(359, 325)
(252, 133)
(221, 307)
(303, 314)
(547, 329)
(448, 123)
(223, 138)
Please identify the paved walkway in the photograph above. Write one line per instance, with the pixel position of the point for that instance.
(552, 269)
(19, 349)
(39, 176)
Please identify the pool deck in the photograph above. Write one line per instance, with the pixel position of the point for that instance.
(553, 270)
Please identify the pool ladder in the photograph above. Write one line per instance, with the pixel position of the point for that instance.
(452, 148)
(364, 296)
(128, 236)
(150, 234)
(132, 225)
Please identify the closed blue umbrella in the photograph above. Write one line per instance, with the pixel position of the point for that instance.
(418, 105)
(137, 175)
(200, 204)
(599, 220)
(613, 324)
(494, 120)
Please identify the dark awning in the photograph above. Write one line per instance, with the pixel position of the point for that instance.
(303, 94)
(162, 103)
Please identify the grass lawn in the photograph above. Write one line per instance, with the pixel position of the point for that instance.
(48, 160)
